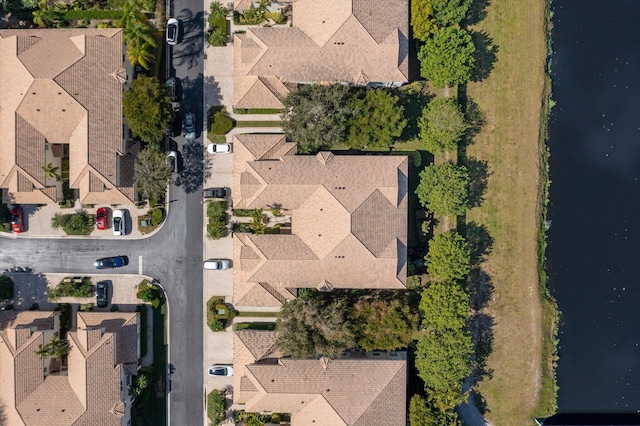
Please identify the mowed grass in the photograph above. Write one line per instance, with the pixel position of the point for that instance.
(511, 99)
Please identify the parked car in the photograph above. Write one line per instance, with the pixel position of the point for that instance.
(189, 126)
(171, 86)
(173, 30)
(111, 262)
(221, 193)
(17, 220)
(118, 222)
(102, 294)
(172, 161)
(219, 148)
(216, 264)
(221, 370)
(102, 218)
(169, 130)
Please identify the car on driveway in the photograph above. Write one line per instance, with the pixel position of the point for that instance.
(17, 220)
(118, 222)
(217, 264)
(102, 218)
(221, 370)
(102, 294)
(111, 262)
(221, 193)
(219, 148)
(173, 29)
(172, 161)
(189, 126)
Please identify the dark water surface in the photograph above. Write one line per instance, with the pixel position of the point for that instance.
(594, 252)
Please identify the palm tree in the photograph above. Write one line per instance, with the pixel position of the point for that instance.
(217, 38)
(140, 32)
(50, 171)
(56, 348)
(139, 53)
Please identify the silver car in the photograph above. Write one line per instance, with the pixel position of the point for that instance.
(217, 264)
(173, 28)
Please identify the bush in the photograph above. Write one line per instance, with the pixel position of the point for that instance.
(80, 223)
(217, 216)
(150, 293)
(216, 407)
(217, 325)
(219, 121)
(70, 287)
(156, 217)
(6, 288)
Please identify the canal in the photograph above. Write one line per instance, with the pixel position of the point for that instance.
(594, 239)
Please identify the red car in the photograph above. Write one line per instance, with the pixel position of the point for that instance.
(17, 220)
(102, 219)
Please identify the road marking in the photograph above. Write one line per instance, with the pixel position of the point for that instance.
(139, 265)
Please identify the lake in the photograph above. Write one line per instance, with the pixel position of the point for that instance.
(594, 239)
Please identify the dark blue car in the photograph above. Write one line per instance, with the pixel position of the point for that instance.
(111, 262)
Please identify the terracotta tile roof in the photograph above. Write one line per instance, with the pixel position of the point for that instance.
(62, 86)
(250, 346)
(344, 210)
(348, 41)
(339, 391)
(90, 393)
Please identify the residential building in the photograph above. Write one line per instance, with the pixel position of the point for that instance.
(61, 104)
(343, 221)
(92, 389)
(358, 42)
(356, 390)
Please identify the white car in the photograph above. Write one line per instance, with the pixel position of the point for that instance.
(172, 161)
(219, 148)
(217, 264)
(173, 28)
(118, 222)
(221, 370)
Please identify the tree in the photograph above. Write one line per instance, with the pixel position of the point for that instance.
(314, 326)
(442, 124)
(422, 19)
(444, 189)
(50, 172)
(315, 116)
(217, 38)
(152, 173)
(55, 349)
(444, 306)
(448, 257)
(420, 413)
(381, 324)
(140, 53)
(443, 359)
(139, 32)
(376, 119)
(147, 108)
(448, 57)
(6, 287)
(450, 12)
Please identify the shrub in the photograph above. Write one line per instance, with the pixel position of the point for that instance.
(216, 406)
(80, 223)
(70, 287)
(150, 293)
(217, 216)
(156, 217)
(6, 288)
(219, 121)
(217, 325)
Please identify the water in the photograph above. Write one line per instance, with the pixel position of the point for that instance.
(594, 252)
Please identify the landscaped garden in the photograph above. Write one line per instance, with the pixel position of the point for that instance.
(81, 287)
(219, 313)
(217, 219)
(79, 223)
(150, 293)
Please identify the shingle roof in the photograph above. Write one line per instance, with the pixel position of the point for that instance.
(344, 210)
(61, 86)
(351, 41)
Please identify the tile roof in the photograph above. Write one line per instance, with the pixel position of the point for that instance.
(329, 392)
(344, 210)
(346, 41)
(90, 393)
(62, 86)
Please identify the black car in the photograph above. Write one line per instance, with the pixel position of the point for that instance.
(111, 262)
(102, 289)
(215, 193)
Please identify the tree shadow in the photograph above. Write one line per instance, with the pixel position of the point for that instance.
(477, 12)
(485, 55)
(482, 326)
(480, 288)
(480, 242)
(196, 167)
(212, 94)
(192, 100)
(413, 101)
(478, 178)
(475, 118)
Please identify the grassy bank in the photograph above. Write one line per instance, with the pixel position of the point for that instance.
(513, 100)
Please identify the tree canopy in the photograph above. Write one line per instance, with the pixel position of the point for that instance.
(147, 108)
(442, 124)
(444, 305)
(450, 12)
(443, 358)
(447, 58)
(444, 189)
(376, 119)
(315, 116)
(152, 173)
(422, 19)
(448, 257)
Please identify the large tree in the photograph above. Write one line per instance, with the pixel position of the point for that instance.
(450, 12)
(444, 305)
(422, 19)
(147, 108)
(448, 257)
(447, 58)
(442, 124)
(444, 189)
(376, 119)
(315, 116)
(443, 359)
(382, 323)
(314, 326)
(424, 412)
(152, 173)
